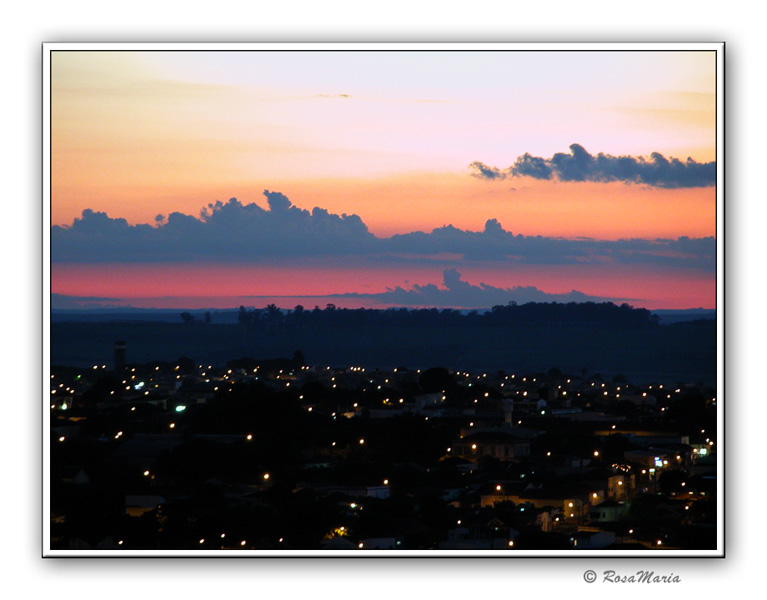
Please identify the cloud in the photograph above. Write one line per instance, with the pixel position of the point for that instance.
(457, 293)
(580, 165)
(248, 233)
(494, 243)
(229, 231)
(485, 172)
(63, 302)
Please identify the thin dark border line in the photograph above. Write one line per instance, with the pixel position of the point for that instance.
(435, 50)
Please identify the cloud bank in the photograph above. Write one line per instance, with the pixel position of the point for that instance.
(228, 231)
(453, 293)
(458, 293)
(579, 165)
(233, 232)
(64, 302)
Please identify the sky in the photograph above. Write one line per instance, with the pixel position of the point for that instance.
(382, 178)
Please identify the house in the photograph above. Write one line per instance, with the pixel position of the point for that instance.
(703, 465)
(500, 444)
(607, 512)
(616, 487)
(649, 458)
(505, 491)
(529, 406)
(570, 504)
(608, 483)
(428, 401)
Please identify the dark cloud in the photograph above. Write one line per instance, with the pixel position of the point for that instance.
(277, 201)
(531, 166)
(247, 233)
(457, 293)
(580, 165)
(63, 302)
(484, 172)
(496, 244)
(229, 231)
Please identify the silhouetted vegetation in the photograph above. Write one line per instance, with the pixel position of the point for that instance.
(269, 320)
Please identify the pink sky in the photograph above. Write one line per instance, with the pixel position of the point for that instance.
(388, 137)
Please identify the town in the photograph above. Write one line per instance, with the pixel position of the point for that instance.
(277, 454)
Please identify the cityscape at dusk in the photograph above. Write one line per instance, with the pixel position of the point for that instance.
(406, 300)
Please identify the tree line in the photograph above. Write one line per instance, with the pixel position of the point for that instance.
(271, 319)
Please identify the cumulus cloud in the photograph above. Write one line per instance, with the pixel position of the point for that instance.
(242, 233)
(229, 231)
(455, 292)
(580, 165)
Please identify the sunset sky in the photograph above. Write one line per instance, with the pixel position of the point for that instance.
(376, 178)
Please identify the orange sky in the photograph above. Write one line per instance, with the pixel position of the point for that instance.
(422, 202)
(386, 136)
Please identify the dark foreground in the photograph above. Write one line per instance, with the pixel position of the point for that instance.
(544, 427)
(276, 455)
(679, 351)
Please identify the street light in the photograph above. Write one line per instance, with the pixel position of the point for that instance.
(576, 505)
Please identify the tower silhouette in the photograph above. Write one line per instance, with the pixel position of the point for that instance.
(120, 354)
